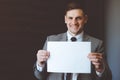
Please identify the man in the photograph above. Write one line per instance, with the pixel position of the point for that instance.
(75, 19)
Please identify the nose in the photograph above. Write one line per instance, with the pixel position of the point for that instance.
(74, 21)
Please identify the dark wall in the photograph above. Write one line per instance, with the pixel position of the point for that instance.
(24, 24)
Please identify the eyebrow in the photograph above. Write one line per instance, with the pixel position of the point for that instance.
(75, 17)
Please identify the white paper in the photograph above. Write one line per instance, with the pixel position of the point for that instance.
(69, 57)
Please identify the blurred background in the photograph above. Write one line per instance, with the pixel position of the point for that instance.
(24, 25)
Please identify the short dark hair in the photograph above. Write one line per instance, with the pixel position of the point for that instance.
(75, 5)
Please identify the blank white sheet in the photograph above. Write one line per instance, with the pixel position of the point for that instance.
(69, 57)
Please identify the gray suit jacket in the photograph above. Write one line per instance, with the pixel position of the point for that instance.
(97, 46)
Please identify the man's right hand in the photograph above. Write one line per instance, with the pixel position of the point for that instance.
(42, 56)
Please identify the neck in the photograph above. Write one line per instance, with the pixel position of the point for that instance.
(74, 34)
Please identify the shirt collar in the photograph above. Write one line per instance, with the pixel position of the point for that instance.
(79, 37)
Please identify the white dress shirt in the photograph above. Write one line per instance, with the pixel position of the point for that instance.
(79, 38)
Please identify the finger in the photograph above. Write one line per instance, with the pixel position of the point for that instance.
(43, 53)
(43, 59)
(97, 54)
(94, 60)
(94, 56)
(97, 65)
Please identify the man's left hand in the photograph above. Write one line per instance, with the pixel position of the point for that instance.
(97, 61)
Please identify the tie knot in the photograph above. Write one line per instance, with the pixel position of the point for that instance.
(73, 39)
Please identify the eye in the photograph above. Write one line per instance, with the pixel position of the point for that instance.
(79, 18)
(70, 18)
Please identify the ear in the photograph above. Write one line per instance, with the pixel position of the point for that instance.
(86, 18)
(65, 19)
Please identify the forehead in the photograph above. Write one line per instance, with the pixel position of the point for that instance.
(75, 13)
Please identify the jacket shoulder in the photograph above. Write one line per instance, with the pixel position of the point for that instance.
(92, 39)
(57, 37)
(97, 45)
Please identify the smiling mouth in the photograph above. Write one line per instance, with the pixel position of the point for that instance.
(75, 27)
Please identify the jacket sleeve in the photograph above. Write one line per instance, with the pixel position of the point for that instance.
(106, 75)
(41, 75)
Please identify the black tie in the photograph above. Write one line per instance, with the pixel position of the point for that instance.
(69, 75)
(73, 39)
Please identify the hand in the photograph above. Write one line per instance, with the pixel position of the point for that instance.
(42, 56)
(97, 61)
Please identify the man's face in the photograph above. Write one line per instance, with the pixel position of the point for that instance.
(75, 20)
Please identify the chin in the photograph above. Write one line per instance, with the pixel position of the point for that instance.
(74, 32)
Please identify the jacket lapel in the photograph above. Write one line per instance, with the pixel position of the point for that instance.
(63, 37)
(85, 37)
